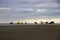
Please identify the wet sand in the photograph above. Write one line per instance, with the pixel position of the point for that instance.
(30, 32)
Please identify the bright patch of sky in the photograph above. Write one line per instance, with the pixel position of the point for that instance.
(23, 10)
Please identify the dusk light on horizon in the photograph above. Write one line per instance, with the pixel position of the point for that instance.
(29, 11)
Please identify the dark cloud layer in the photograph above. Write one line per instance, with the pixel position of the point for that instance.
(28, 9)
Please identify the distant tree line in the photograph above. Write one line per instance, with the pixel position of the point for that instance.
(52, 22)
(18, 23)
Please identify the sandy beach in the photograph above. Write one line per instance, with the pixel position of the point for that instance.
(30, 32)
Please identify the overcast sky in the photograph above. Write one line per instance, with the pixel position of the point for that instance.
(29, 10)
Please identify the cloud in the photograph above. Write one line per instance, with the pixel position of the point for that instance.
(57, 10)
(35, 1)
(28, 9)
(1, 8)
(41, 10)
(47, 5)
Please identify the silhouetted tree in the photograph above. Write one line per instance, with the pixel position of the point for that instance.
(35, 22)
(46, 22)
(11, 23)
(52, 22)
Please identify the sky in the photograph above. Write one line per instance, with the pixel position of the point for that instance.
(29, 10)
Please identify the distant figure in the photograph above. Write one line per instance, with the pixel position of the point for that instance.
(41, 22)
(52, 22)
(21, 22)
(46, 22)
(35, 22)
(11, 23)
(18, 23)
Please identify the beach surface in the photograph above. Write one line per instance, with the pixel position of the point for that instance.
(30, 32)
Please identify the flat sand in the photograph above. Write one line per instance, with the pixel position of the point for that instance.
(30, 32)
